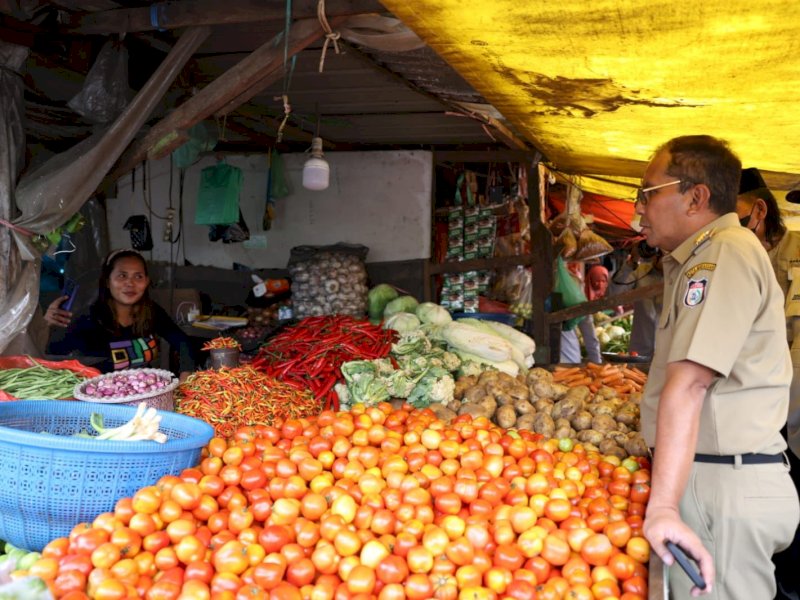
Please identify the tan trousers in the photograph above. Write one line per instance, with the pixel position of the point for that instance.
(743, 516)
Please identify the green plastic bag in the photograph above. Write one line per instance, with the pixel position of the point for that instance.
(201, 139)
(218, 196)
(571, 292)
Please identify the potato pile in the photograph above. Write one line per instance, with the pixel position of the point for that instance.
(606, 419)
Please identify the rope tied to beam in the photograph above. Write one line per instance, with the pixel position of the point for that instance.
(287, 110)
(17, 228)
(330, 35)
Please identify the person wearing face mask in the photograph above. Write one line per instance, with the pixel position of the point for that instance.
(124, 325)
(758, 211)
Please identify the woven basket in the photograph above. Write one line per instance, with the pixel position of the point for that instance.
(50, 483)
(160, 399)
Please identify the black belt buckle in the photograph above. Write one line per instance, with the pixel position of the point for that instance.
(747, 459)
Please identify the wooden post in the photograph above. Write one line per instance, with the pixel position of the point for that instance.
(541, 268)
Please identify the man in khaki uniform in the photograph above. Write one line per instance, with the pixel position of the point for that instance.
(718, 390)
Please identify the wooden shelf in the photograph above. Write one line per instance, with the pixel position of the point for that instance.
(479, 264)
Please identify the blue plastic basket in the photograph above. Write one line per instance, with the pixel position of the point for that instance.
(50, 483)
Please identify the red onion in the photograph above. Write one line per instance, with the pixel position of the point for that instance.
(126, 384)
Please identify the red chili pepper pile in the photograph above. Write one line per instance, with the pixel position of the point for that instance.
(229, 398)
(310, 353)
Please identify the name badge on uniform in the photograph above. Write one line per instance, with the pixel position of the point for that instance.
(695, 292)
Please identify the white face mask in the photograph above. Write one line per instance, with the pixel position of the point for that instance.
(636, 222)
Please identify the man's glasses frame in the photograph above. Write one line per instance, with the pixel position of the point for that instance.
(641, 193)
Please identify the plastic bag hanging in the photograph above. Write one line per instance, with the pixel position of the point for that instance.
(105, 92)
(230, 234)
(218, 195)
(571, 292)
(139, 227)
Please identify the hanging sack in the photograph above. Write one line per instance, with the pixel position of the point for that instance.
(571, 292)
(218, 196)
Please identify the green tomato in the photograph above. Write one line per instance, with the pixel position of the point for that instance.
(631, 464)
(566, 444)
(26, 562)
(16, 554)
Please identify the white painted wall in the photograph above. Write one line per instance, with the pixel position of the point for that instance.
(379, 199)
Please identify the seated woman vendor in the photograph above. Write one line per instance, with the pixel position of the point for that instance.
(123, 326)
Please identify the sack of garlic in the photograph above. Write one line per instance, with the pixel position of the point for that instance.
(328, 280)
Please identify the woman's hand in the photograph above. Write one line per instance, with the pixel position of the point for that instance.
(184, 375)
(55, 315)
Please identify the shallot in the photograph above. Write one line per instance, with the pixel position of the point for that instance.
(129, 383)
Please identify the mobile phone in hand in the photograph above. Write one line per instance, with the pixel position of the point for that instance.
(70, 289)
(686, 565)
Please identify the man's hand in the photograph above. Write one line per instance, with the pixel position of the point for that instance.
(665, 525)
(55, 315)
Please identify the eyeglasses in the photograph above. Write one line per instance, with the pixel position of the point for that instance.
(641, 193)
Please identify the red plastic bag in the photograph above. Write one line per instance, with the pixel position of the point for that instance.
(23, 362)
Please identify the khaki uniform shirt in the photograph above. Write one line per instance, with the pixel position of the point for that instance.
(786, 260)
(723, 309)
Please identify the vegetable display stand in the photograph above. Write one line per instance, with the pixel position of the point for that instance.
(121, 387)
(51, 480)
(223, 357)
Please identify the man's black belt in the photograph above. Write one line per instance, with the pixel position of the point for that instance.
(730, 459)
(747, 459)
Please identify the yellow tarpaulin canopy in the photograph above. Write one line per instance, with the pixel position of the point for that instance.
(597, 86)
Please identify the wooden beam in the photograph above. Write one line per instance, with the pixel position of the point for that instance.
(229, 85)
(479, 264)
(481, 156)
(183, 13)
(505, 135)
(499, 132)
(588, 308)
(15, 9)
(268, 79)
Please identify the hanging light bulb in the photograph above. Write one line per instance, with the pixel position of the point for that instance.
(316, 171)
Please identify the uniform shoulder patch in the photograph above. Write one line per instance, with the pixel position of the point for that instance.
(695, 292)
(705, 266)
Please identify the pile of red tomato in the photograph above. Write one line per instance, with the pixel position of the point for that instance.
(373, 503)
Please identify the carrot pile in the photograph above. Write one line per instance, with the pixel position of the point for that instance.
(622, 378)
(230, 398)
(311, 353)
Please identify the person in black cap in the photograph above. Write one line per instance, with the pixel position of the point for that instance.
(758, 211)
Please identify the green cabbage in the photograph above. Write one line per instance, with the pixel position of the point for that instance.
(377, 299)
(402, 322)
(433, 314)
(402, 304)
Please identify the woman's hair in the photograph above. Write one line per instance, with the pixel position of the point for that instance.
(774, 227)
(103, 308)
